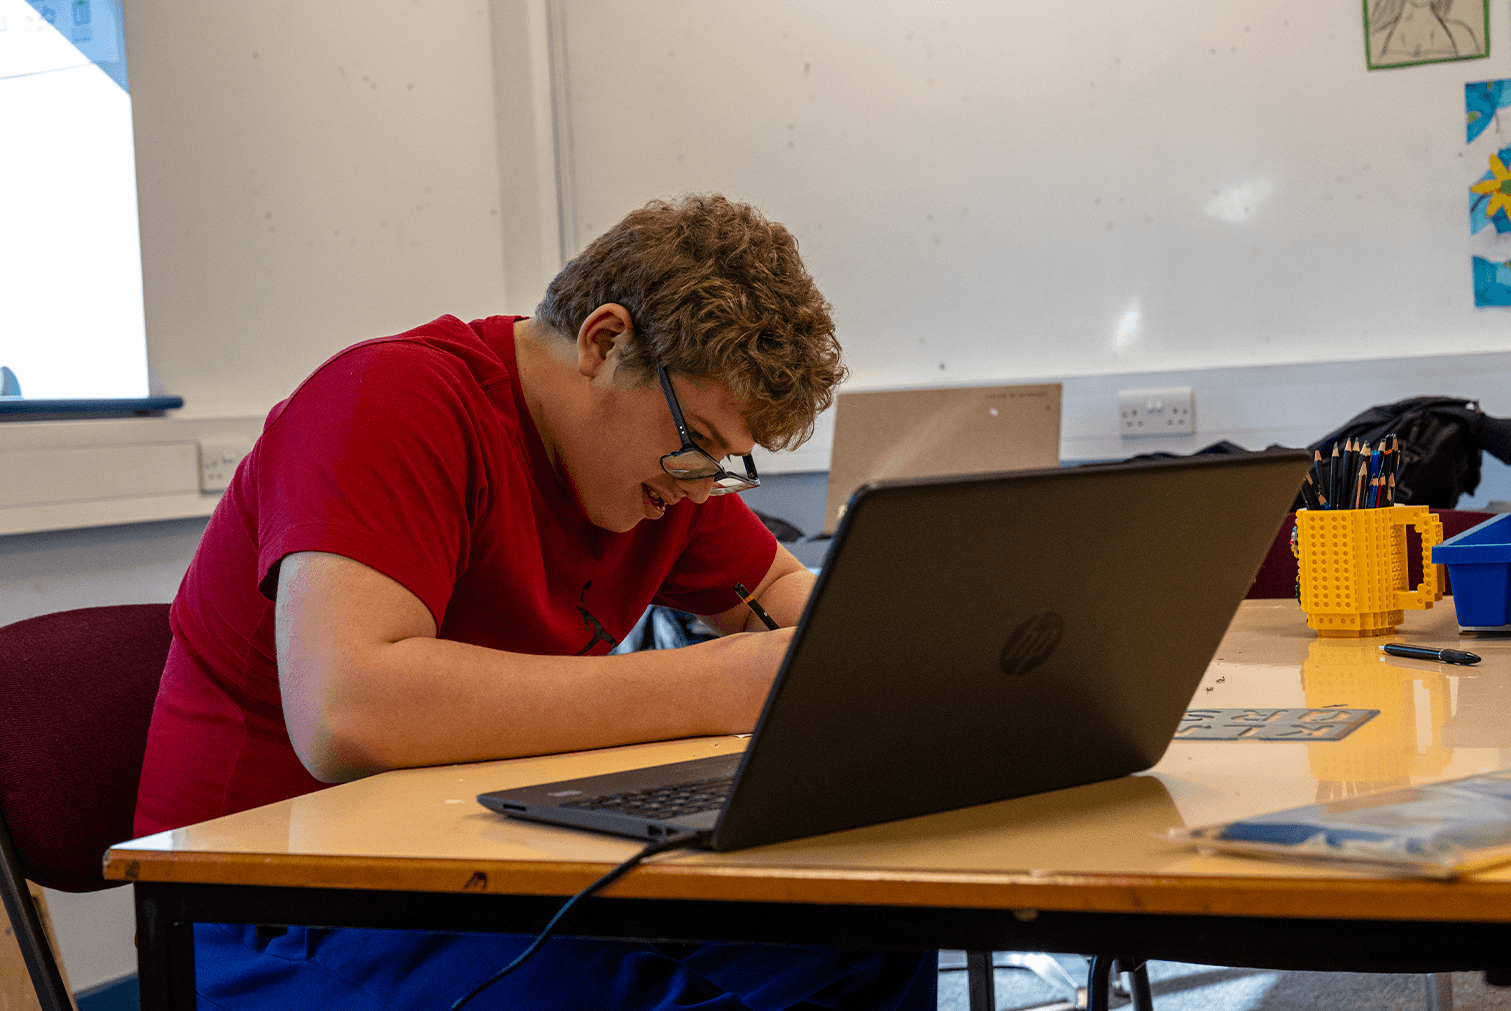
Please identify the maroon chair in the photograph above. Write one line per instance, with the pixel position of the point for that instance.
(1277, 573)
(76, 695)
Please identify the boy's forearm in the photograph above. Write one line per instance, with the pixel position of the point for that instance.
(425, 701)
(366, 686)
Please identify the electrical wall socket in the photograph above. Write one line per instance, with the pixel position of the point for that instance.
(1163, 412)
(217, 462)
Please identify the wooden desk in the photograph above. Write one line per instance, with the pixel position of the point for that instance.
(1079, 870)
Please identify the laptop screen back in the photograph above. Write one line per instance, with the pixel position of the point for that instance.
(890, 434)
(981, 638)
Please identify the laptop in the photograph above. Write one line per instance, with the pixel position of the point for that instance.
(890, 434)
(972, 639)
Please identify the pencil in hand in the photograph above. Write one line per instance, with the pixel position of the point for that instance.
(755, 606)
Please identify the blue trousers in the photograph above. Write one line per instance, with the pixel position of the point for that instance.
(368, 970)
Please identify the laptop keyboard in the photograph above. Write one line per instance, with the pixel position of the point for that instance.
(663, 801)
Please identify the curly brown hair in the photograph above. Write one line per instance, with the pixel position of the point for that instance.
(717, 293)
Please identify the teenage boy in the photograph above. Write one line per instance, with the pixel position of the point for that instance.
(431, 549)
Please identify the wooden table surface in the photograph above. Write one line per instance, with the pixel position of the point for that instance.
(1093, 848)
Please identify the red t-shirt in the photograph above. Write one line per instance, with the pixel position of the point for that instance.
(414, 455)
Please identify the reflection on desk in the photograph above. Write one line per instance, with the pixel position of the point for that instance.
(1410, 741)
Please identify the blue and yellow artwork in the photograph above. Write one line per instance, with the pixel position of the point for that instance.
(1489, 157)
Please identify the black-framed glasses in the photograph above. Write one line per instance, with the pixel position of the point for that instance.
(692, 464)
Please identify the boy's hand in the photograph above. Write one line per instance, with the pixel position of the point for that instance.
(744, 666)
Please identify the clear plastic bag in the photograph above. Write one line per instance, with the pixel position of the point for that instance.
(1439, 830)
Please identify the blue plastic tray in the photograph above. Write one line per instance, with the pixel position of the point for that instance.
(1479, 567)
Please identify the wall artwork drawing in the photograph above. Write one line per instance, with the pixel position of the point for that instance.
(1404, 33)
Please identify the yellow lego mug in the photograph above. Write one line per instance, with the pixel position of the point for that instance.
(1352, 567)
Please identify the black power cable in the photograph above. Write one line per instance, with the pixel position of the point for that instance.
(669, 843)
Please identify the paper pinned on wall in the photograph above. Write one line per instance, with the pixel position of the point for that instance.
(1489, 161)
(1404, 33)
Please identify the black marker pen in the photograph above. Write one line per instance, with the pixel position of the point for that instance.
(1428, 653)
(760, 612)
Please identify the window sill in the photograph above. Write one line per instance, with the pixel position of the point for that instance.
(60, 475)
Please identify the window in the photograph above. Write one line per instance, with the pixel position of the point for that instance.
(71, 319)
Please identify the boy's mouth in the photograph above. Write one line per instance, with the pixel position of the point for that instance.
(655, 504)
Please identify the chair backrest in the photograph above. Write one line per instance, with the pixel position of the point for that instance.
(76, 695)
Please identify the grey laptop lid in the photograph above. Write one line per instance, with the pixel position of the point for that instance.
(975, 639)
(895, 434)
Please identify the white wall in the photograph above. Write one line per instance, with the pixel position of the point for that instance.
(310, 175)
(993, 190)
(1105, 193)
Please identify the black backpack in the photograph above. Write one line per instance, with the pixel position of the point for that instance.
(1441, 439)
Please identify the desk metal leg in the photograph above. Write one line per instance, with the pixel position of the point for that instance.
(1440, 991)
(980, 985)
(1138, 983)
(1104, 969)
(165, 955)
(1099, 983)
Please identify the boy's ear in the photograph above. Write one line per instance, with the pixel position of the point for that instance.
(602, 337)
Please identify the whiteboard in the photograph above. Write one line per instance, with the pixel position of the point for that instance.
(998, 190)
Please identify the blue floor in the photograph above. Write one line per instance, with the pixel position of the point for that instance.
(118, 996)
